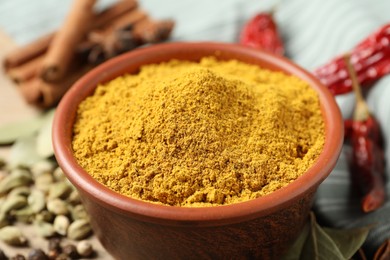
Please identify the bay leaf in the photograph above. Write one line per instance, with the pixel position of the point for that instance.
(319, 245)
(10, 132)
(44, 143)
(295, 250)
(24, 152)
(348, 240)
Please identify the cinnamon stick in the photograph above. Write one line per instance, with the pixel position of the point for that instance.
(107, 42)
(36, 48)
(42, 94)
(61, 50)
(25, 53)
(124, 34)
(150, 31)
(122, 22)
(26, 71)
(114, 11)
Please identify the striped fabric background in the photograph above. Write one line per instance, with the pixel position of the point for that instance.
(314, 31)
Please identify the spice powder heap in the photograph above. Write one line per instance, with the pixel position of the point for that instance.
(199, 134)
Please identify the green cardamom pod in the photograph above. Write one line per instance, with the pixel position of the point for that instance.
(3, 220)
(42, 166)
(59, 174)
(18, 177)
(45, 215)
(74, 198)
(84, 248)
(79, 229)
(61, 224)
(57, 206)
(37, 201)
(14, 202)
(20, 191)
(44, 229)
(79, 212)
(44, 181)
(12, 236)
(25, 214)
(59, 190)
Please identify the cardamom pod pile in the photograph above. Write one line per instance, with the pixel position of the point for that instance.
(41, 196)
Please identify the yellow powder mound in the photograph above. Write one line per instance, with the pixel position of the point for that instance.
(199, 134)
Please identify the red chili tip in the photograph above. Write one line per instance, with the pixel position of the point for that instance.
(261, 32)
(373, 200)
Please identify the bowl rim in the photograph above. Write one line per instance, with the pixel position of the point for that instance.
(173, 215)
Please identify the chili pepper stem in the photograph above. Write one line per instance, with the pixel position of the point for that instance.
(362, 111)
(273, 9)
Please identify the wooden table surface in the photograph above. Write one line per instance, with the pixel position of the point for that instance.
(12, 105)
(13, 108)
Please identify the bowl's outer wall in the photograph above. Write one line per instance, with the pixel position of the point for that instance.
(265, 237)
(132, 229)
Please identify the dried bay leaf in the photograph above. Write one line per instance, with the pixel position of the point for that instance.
(9, 133)
(295, 250)
(348, 241)
(44, 144)
(319, 245)
(316, 242)
(24, 152)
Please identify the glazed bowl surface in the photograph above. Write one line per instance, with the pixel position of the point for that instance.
(261, 228)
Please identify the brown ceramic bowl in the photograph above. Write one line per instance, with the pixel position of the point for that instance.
(133, 229)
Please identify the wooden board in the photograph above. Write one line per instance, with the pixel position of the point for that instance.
(14, 108)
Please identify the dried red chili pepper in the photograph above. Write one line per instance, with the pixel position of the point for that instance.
(262, 32)
(370, 59)
(367, 162)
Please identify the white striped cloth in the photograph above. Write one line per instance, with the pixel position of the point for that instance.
(314, 31)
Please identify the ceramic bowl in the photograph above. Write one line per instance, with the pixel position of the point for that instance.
(261, 228)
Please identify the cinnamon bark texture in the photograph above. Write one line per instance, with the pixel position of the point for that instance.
(39, 47)
(26, 70)
(25, 53)
(46, 68)
(116, 40)
(43, 94)
(61, 51)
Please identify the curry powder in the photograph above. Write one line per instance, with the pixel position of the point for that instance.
(199, 134)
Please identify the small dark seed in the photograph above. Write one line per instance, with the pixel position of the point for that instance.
(63, 257)
(18, 257)
(37, 254)
(54, 248)
(53, 254)
(2, 255)
(71, 251)
(2, 163)
(54, 244)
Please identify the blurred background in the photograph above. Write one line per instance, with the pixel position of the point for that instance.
(313, 31)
